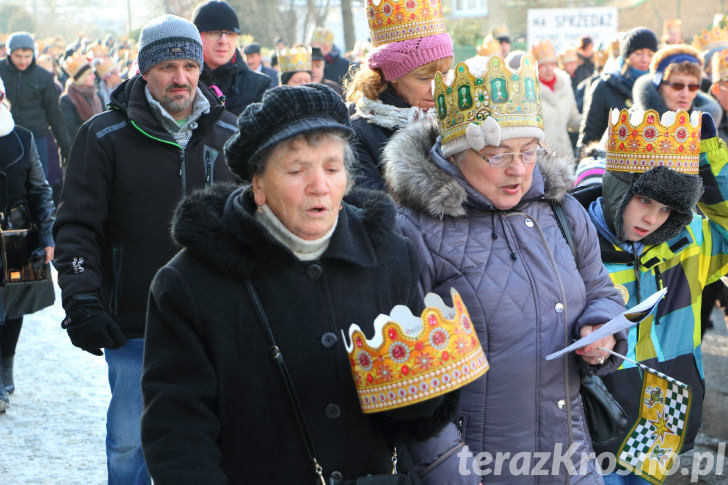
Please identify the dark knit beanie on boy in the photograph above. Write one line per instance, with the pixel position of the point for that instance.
(215, 15)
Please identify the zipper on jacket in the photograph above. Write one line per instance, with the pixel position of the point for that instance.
(637, 273)
(117, 260)
(208, 168)
(183, 171)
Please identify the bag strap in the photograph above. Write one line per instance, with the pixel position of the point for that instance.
(563, 221)
(277, 356)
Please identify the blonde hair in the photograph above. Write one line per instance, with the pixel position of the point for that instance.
(370, 82)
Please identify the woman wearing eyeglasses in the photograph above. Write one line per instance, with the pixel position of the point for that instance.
(673, 83)
(476, 190)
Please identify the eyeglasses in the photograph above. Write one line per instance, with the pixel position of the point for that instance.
(680, 86)
(219, 33)
(505, 159)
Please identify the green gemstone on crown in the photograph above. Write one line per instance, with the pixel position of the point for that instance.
(515, 77)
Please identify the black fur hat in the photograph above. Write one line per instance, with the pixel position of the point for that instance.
(679, 191)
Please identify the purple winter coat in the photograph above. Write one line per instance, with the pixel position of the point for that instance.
(523, 308)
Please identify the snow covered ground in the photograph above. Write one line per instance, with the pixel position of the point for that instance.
(53, 432)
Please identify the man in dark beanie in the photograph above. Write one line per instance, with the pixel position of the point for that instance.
(224, 69)
(614, 89)
(129, 167)
(34, 104)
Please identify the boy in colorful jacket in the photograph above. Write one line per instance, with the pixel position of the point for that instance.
(650, 238)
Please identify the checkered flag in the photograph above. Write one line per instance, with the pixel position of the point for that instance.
(657, 436)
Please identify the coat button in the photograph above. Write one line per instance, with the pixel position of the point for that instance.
(559, 307)
(336, 475)
(561, 404)
(332, 411)
(314, 272)
(329, 339)
(529, 223)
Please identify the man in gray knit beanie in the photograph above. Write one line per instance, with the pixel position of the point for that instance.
(162, 139)
(166, 38)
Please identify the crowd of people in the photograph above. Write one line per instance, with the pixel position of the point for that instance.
(212, 206)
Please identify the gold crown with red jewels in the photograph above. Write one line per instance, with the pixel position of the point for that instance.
(714, 38)
(641, 141)
(510, 97)
(411, 358)
(543, 51)
(397, 20)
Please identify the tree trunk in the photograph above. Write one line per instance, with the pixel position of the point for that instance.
(348, 21)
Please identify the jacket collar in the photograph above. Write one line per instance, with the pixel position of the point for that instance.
(129, 97)
(421, 179)
(218, 225)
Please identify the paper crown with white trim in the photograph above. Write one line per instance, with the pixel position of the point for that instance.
(397, 20)
(640, 141)
(485, 102)
(411, 359)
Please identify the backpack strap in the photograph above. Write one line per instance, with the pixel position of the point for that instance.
(563, 221)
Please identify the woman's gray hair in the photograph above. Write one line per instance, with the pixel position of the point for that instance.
(315, 138)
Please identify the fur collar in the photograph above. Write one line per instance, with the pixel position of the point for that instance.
(647, 97)
(555, 97)
(416, 181)
(217, 225)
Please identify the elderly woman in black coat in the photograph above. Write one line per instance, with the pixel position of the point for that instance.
(217, 409)
(25, 200)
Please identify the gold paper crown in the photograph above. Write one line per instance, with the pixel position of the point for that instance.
(412, 359)
(671, 25)
(322, 36)
(569, 55)
(294, 59)
(501, 31)
(543, 51)
(99, 50)
(715, 38)
(719, 66)
(489, 47)
(74, 63)
(510, 97)
(397, 20)
(642, 141)
(105, 66)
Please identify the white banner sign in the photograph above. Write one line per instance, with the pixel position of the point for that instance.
(564, 26)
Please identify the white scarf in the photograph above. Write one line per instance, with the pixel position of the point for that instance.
(7, 124)
(303, 249)
(388, 116)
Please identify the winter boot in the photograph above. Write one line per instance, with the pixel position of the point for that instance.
(4, 400)
(7, 373)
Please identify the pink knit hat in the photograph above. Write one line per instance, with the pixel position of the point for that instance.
(398, 58)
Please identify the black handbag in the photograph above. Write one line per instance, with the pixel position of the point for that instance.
(275, 352)
(605, 417)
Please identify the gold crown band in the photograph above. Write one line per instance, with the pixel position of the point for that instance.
(413, 359)
(398, 20)
(637, 147)
(512, 98)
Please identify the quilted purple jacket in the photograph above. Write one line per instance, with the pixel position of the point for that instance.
(527, 296)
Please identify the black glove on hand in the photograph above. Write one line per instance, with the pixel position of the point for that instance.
(707, 129)
(91, 328)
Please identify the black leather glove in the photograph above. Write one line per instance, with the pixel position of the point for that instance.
(91, 328)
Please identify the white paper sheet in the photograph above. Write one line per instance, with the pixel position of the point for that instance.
(626, 319)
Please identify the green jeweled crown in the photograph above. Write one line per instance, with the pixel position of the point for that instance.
(510, 97)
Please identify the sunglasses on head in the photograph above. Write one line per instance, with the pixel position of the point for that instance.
(680, 86)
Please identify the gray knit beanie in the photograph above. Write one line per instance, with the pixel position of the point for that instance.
(166, 38)
(20, 40)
